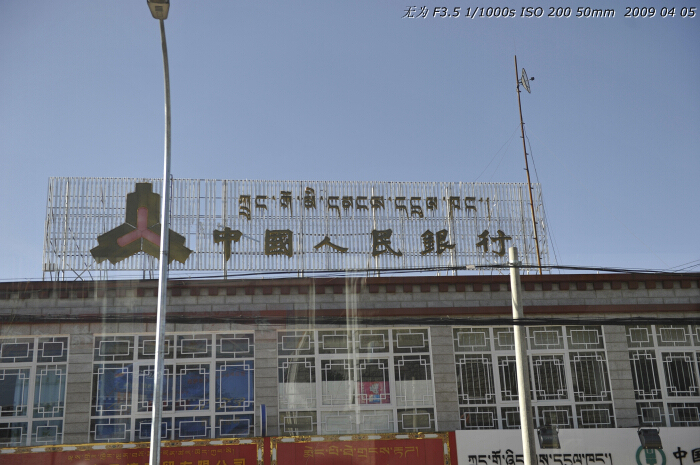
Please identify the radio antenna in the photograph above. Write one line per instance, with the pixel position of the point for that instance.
(525, 82)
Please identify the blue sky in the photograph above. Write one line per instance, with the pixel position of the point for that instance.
(353, 91)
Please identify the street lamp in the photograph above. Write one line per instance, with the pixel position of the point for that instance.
(159, 10)
(649, 437)
(549, 437)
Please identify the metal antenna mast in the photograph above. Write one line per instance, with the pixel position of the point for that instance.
(524, 81)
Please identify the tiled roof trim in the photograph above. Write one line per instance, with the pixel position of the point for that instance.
(388, 285)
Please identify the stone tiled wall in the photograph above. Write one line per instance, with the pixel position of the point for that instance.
(445, 378)
(620, 373)
(266, 378)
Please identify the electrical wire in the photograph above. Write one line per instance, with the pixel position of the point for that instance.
(691, 264)
(362, 273)
(292, 319)
(506, 144)
(550, 235)
(603, 204)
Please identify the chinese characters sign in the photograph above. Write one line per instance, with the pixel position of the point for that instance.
(288, 225)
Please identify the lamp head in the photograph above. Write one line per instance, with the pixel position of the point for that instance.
(649, 437)
(549, 437)
(159, 8)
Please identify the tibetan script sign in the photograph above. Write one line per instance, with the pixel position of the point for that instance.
(290, 226)
(383, 449)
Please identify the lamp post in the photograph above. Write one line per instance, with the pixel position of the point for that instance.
(527, 428)
(159, 10)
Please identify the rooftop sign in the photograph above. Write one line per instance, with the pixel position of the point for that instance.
(104, 224)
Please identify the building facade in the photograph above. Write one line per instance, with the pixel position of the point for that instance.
(373, 356)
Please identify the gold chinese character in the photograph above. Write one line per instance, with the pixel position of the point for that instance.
(431, 203)
(381, 243)
(484, 242)
(428, 242)
(347, 202)
(327, 241)
(501, 239)
(442, 243)
(226, 236)
(278, 242)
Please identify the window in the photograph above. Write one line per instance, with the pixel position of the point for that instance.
(33, 372)
(569, 379)
(208, 387)
(665, 361)
(361, 381)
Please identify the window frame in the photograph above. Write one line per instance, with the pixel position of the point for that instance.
(555, 347)
(366, 409)
(648, 341)
(185, 353)
(33, 417)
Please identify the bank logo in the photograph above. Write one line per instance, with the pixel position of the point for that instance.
(650, 456)
(140, 231)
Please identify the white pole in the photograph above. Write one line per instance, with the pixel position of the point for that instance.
(527, 427)
(154, 458)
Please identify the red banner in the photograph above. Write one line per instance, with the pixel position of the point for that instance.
(379, 449)
(389, 450)
(205, 454)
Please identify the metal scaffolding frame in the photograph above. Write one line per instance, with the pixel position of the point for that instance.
(81, 209)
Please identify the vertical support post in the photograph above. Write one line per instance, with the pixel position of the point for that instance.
(154, 456)
(525, 403)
